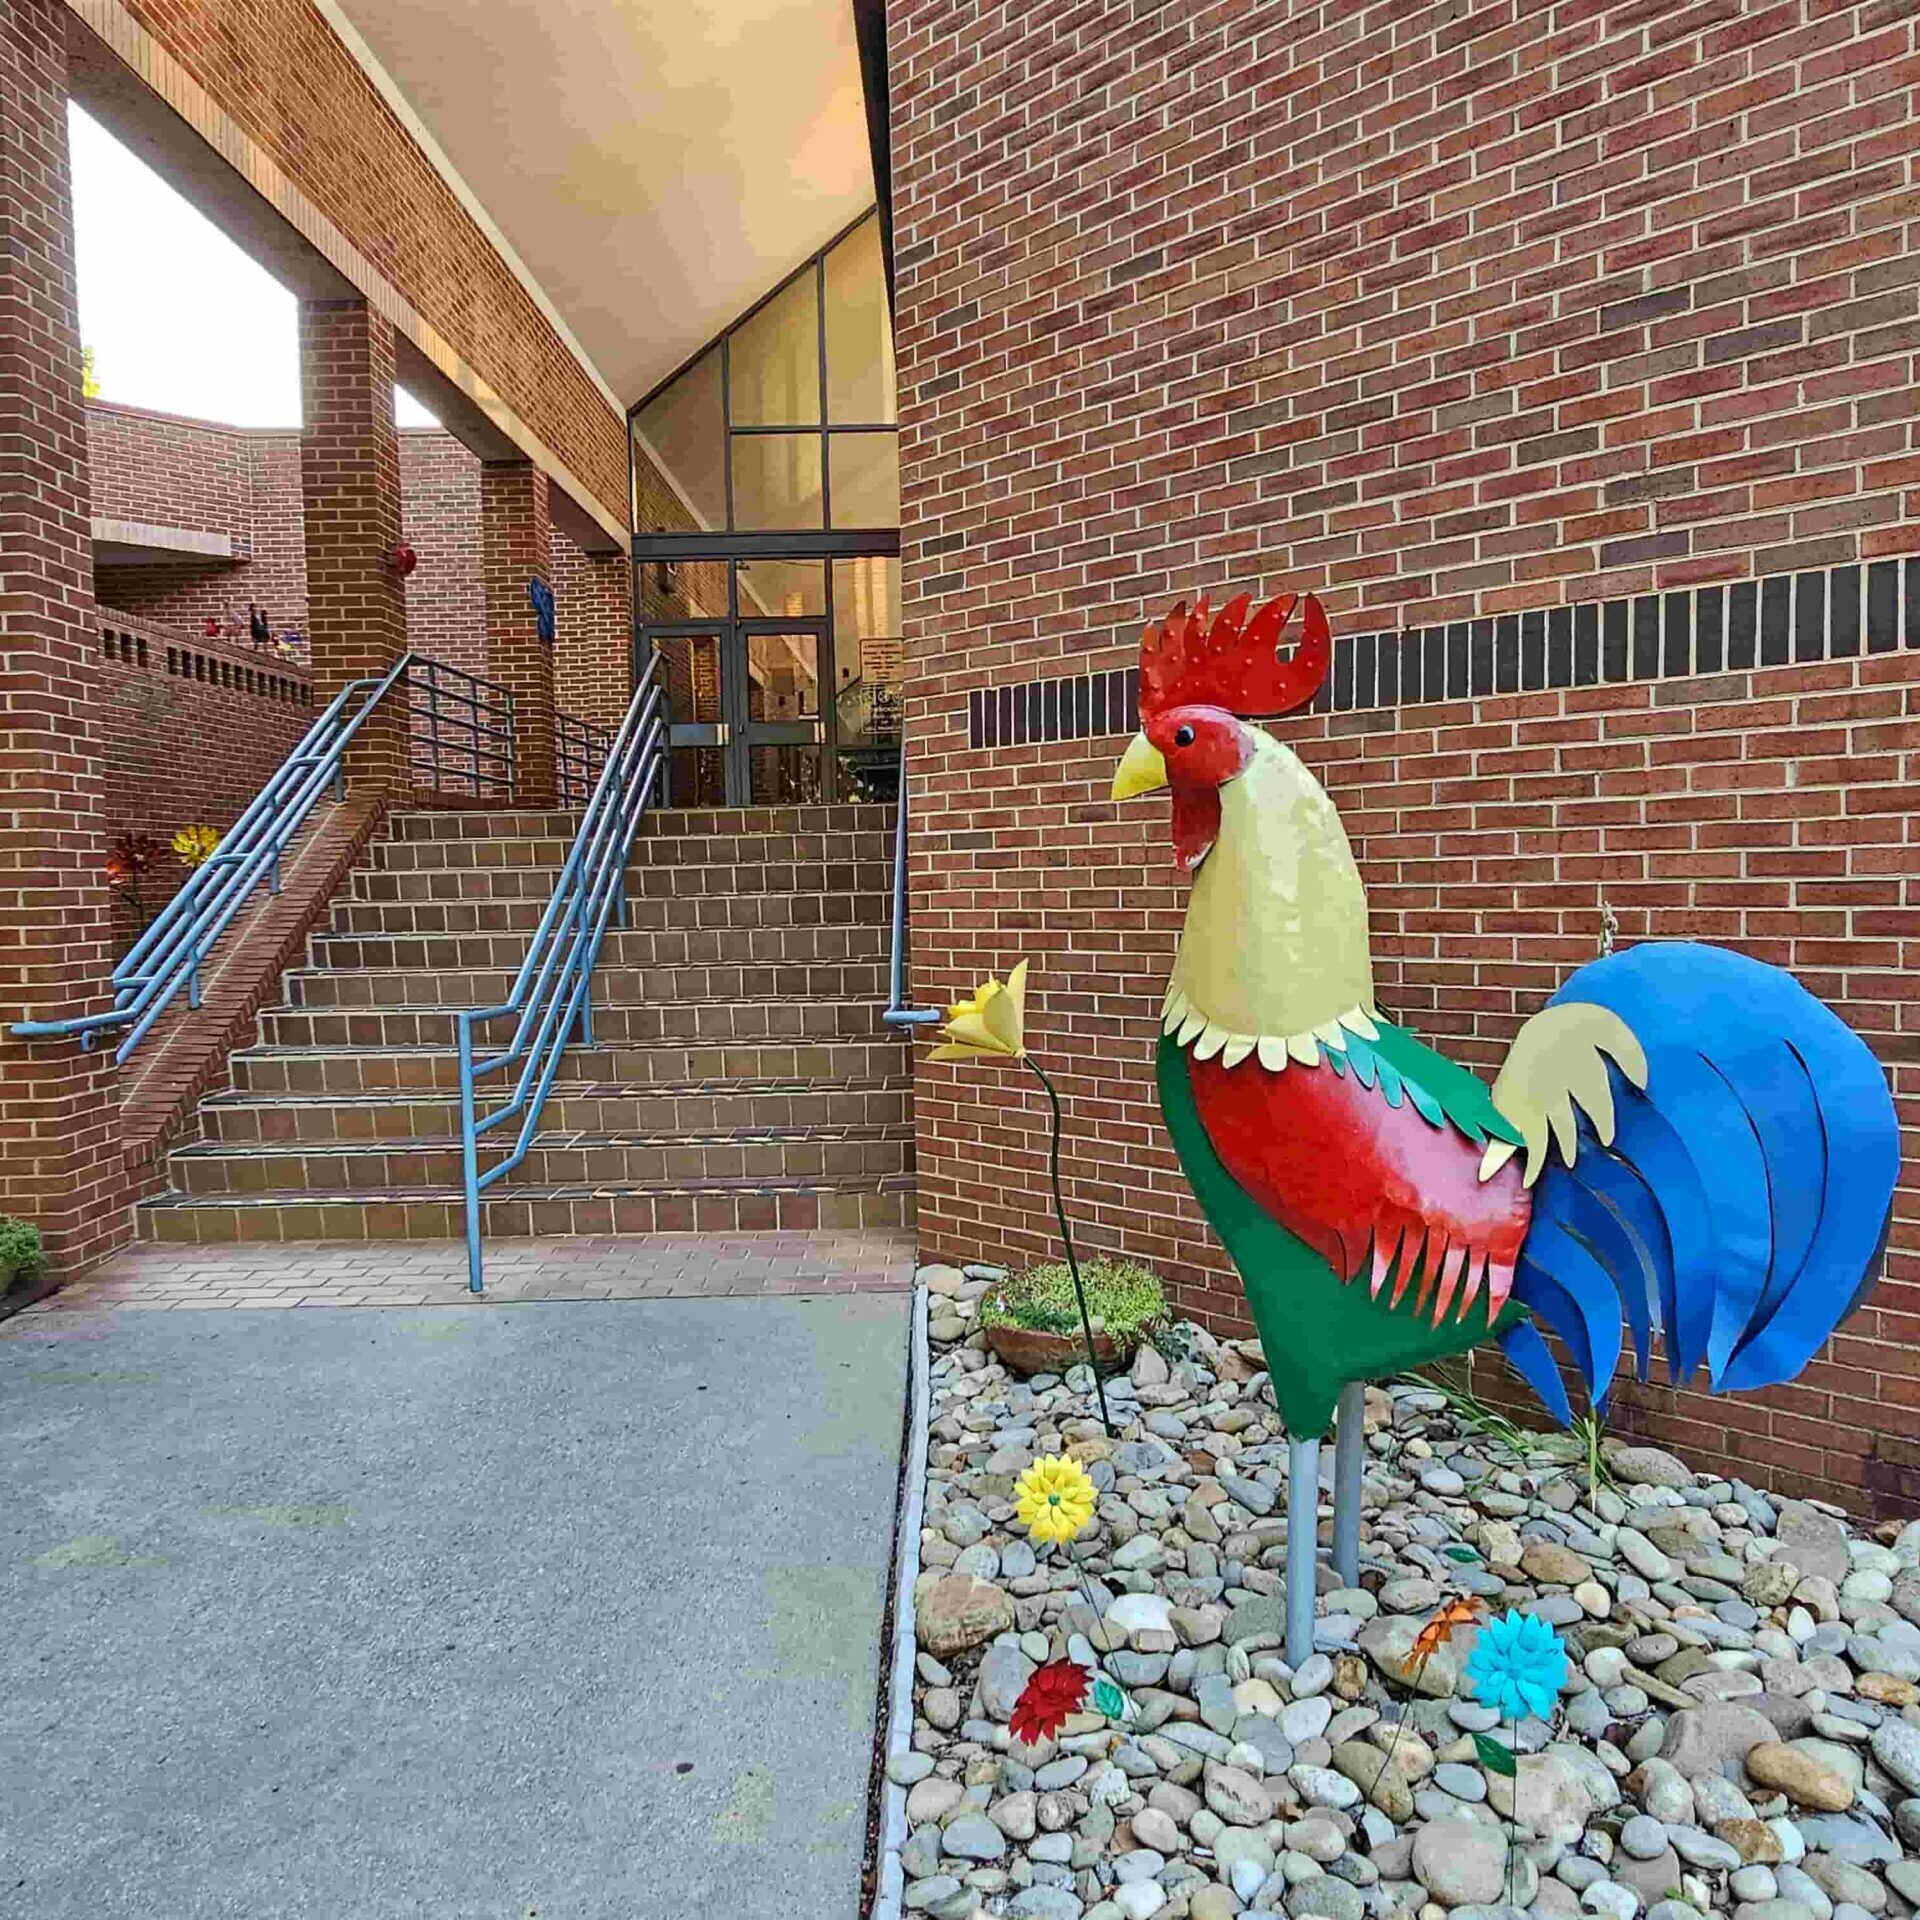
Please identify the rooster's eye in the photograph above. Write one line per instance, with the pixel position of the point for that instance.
(1183, 736)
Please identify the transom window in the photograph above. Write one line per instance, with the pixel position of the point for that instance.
(786, 422)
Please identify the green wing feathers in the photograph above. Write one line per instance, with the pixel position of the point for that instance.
(1319, 1332)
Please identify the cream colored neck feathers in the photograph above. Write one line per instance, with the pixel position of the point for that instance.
(1273, 957)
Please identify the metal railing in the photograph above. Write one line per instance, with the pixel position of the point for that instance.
(579, 753)
(166, 959)
(461, 736)
(551, 994)
(899, 1013)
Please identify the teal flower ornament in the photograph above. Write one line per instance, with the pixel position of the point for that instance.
(1516, 1667)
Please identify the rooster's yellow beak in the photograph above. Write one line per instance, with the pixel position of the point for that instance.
(1141, 770)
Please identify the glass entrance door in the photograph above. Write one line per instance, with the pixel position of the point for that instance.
(782, 730)
(693, 675)
(745, 722)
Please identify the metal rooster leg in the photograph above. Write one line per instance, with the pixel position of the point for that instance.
(1303, 1515)
(1303, 1530)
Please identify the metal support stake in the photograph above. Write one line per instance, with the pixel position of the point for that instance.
(273, 873)
(1349, 1461)
(469, 1149)
(1303, 1529)
(193, 978)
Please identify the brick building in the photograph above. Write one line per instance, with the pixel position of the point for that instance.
(1567, 351)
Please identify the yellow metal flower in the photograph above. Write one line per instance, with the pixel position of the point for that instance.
(1055, 1499)
(194, 845)
(992, 1025)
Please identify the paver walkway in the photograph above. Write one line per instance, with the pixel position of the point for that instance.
(419, 1273)
(502, 1610)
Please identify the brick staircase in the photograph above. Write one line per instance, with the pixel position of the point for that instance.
(740, 1077)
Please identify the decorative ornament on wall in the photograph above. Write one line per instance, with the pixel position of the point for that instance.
(403, 559)
(1683, 1141)
(540, 597)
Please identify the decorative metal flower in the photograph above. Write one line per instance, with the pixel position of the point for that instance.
(1054, 1499)
(1459, 1611)
(1516, 1667)
(992, 1025)
(1052, 1693)
(131, 855)
(194, 845)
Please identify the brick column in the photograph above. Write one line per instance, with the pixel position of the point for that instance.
(60, 1159)
(350, 488)
(593, 666)
(516, 546)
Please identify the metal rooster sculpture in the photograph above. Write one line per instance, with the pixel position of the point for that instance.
(1683, 1140)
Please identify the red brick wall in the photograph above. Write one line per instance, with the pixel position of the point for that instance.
(197, 474)
(192, 728)
(440, 512)
(245, 482)
(1445, 311)
(280, 71)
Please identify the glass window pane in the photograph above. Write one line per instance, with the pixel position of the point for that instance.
(682, 589)
(770, 588)
(776, 481)
(859, 330)
(783, 676)
(773, 374)
(682, 430)
(870, 670)
(866, 479)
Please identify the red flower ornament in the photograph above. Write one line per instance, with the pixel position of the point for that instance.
(1054, 1692)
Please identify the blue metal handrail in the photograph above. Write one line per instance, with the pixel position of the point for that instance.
(551, 994)
(899, 1012)
(168, 956)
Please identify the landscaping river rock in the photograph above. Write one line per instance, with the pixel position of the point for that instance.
(1739, 1731)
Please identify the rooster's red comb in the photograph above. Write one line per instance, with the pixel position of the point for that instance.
(1235, 663)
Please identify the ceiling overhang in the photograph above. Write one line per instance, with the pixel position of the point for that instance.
(649, 171)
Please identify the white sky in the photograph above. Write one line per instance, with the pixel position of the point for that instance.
(179, 319)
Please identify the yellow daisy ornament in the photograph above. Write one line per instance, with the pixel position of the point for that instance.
(991, 1025)
(1055, 1499)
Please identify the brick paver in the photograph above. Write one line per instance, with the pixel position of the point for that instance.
(318, 1273)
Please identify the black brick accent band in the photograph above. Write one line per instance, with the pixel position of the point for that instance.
(1784, 620)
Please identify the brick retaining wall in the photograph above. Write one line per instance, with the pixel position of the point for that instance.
(1450, 312)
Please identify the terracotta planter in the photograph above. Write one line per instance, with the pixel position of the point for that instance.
(1027, 1350)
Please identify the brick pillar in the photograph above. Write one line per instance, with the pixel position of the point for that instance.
(60, 1159)
(593, 665)
(516, 546)
(350, 490)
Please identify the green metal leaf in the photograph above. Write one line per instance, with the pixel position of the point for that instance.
(1111, 1700)
(1493, 1756)
(1463, 1554)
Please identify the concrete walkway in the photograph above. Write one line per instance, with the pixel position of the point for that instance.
(511, 1610)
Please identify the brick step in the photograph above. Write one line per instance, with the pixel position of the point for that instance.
(683, 1022)
(846, 816)
(661, 947)
(698, 913)
(509, 1212)
(613, 986)
(643, 883)
(555, 1159)
(269, 1072)
(717, 1106)
(503, 851)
